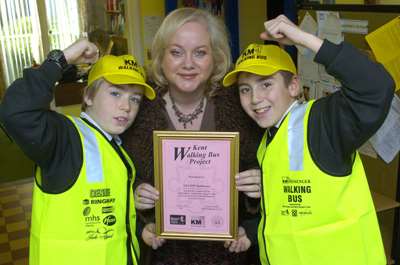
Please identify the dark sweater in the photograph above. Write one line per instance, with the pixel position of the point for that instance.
(340, 123)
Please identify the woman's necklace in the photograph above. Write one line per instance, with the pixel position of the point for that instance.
(186, 118)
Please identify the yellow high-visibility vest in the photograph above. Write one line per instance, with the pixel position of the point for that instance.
(87, 223)
(308, 216)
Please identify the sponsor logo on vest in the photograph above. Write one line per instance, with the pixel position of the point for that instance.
(107, 209)
(92, 219)
(109, 220)
(100, 193)
(197, 221)
(285, 212)
(295, 190)
(86, 211)
(100, 233)
(286, 180)
(177, 219)
(85, 202)
(102, 201)
(295, 212)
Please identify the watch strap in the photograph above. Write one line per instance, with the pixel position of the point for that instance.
(57, 56)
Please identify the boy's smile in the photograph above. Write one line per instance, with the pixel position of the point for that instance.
(266, 98)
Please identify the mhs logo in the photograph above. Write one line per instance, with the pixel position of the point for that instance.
(92, 219)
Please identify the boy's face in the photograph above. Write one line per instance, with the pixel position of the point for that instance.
(266, 98)
(114, 107)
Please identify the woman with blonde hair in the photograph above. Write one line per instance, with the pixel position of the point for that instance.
(190, 56)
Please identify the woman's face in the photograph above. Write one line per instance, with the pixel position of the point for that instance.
(188, 63)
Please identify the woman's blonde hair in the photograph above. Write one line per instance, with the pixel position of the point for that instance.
(218, 40)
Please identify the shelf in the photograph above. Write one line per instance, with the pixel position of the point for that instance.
(383, 203)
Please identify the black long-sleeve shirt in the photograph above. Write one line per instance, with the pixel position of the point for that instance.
(342, 122)
(46, 137)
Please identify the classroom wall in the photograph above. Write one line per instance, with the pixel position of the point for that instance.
(154, 8)
(252, 15)
(136, 13)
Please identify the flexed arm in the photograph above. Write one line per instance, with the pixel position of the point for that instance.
(284, 31)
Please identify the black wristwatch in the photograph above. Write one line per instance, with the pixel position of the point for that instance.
(57, 56)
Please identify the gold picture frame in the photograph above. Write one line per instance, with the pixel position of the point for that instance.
(197, 169)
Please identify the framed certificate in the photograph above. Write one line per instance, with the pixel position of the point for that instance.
(194, 173)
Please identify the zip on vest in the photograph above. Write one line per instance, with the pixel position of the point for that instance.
(127, 223)
(295, 150)
(265, 218)
(97, 175)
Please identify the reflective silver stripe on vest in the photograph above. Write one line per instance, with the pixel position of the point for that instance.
(296, 137)
(94, 168)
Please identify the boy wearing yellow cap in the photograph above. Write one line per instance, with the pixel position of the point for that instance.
(315, 201)
(83, 210)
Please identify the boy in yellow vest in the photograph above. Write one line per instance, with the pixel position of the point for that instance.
(315, 202)
(83, 210)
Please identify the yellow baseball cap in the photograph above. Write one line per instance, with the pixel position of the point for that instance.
(120, 70)
(261, 60)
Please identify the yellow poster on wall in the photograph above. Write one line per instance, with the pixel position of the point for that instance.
(385, 44)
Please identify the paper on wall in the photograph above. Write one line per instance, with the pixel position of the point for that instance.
(150, 27)
(308, 24)
(354, 26)
(329, 26)
(308, 69)
(386, 140)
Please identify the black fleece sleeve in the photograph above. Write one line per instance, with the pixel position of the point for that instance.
(46, 137)
(342, 122)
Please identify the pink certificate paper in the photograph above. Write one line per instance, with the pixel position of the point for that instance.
(196, 187)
